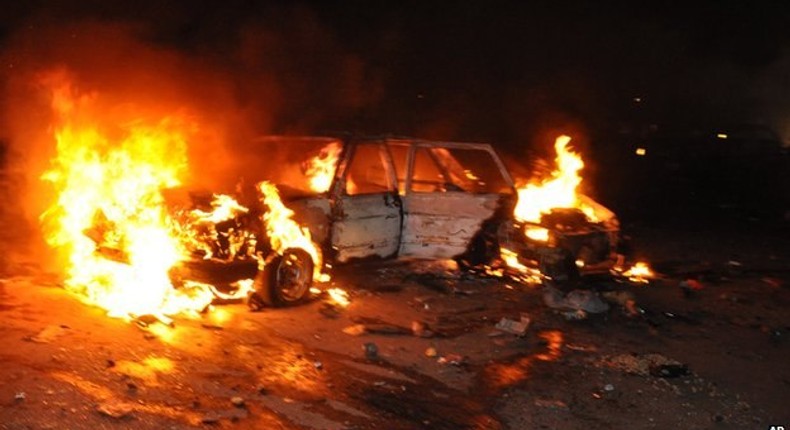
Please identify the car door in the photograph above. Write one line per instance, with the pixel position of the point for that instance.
(451, 189)
(366, 208)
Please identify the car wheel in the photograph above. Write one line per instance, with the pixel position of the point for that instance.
(285, 280)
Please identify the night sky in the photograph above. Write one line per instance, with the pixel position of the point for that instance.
(513, 73)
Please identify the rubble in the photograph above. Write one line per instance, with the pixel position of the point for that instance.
(238, 402)
(420, 329)
(519, 328)
(577, 300)
(115, 409)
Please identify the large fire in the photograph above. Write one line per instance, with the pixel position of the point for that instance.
(559, 191)
(110, 219)
(109, 216)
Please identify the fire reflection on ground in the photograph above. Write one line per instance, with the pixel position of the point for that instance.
(504, 375)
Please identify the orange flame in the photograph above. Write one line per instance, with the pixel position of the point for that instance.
(109, 217)
(321, 169)
(339, 296)
(283, 231)
(559, 191)
(639, 273)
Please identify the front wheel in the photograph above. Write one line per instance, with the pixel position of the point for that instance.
(285, 280)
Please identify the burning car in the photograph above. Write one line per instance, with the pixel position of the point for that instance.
(381, 198)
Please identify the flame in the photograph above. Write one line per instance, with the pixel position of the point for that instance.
(283, 231)
(197, 231)
(536, 199)
(640, 273)
(539, 234)
(109, 216)
(321, 169)
(339, 296)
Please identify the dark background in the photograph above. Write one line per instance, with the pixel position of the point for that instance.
(614, 75)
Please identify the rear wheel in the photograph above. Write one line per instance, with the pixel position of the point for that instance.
(284, 281)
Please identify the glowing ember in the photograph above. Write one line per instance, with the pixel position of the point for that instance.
(559, 191)
(109, 217)
(339, 297)
(283, 231)
(321, 169)
(639, 273)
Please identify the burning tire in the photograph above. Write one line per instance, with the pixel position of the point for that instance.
(284, 281)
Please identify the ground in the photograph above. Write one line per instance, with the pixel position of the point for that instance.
(713, 355)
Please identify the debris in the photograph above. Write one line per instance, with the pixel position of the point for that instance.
(355, 330)
(584, 300)
(211, 326)
(371, 351)
(49, 333)
(318, 365)
(420, 329)
(115, 408)
(690, 286)
(262, 390)
(552, 404)
(519, 328)
(581, 348)
(453, 359)
(624, 299)
(608, 387)
(774, 282)
(431, 352)
(237, 401)
(20, 396)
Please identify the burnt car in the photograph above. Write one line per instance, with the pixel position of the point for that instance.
(383, 198)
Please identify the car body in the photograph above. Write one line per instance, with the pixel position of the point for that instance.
(387, 197)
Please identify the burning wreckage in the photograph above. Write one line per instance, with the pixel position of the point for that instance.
(399, 198)
(137, 244)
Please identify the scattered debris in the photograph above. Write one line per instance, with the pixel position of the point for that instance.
(211, 326)
(20, 396)
(355, 330)
(115, 409)
(624, 299)
(581, 348)
(49, 333)
(238, 401)
(519, 328)
(371, 351)
(584, 300)
(318, 365)
(431, 352)
(608, 387)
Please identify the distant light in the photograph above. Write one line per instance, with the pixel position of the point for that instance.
(722, 135)
(640, 151)
(637, 99)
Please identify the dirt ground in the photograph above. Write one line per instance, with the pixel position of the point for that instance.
(712, 355)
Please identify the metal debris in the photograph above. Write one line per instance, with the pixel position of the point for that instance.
(519, 328)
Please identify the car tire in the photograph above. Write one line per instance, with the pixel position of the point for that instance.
(284, 281)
